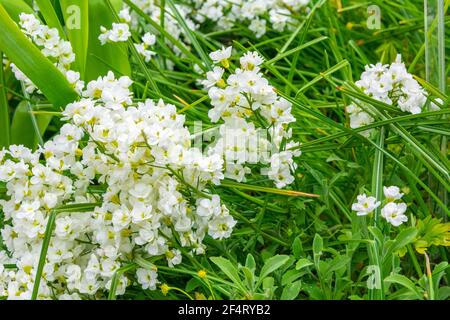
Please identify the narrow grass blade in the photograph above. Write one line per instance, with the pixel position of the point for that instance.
(4, 111)
(82, 207)
(290, 193)
(49, 14)
(190, 35)
(116, 277)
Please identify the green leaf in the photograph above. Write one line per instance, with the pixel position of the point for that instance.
(297, 248)
(116, 277)
(15, 8)
(191, 36)
(405, 282)
(43, 255)
(28, 58)
(317, 245)
(403, 238)
(378, 235)
(138, 58)
(101, 58)
(229, 269)
(272, 264)
(76, 17)
(291, 291)
(250, 262)
(303, 263)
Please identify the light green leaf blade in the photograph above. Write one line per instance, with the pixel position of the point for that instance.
(76, 18)
(101, 58)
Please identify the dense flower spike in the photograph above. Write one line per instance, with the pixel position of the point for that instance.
(142, 158)
(255, 119)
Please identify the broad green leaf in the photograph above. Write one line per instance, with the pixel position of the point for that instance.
(29, 59)
(303, 263)
(101, 58)
(250, 262)
(297, 248)
(22, 127)
(76, 19)
(15, 8)
(291, 291)
(229, 269)
(404, 237)
(272, 264)
(405, 282)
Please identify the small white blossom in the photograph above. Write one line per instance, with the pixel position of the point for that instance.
(365, 205)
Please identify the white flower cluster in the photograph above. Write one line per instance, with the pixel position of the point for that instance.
(393, 211)
(120, 32)
(153, 9)
(391, 84)
(59, 51)
(137, 163)
(257, 14)
(244, 99)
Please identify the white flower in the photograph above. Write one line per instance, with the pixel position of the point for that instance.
(221, 55)
(208, 207)
(392, 193)
(394, 213)
(221, 227)
(365, 205)
(120, 32)
(213, 77)
(149, 39)
(147, 278)
(173, 257)
(258, 26)
(251, 61)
